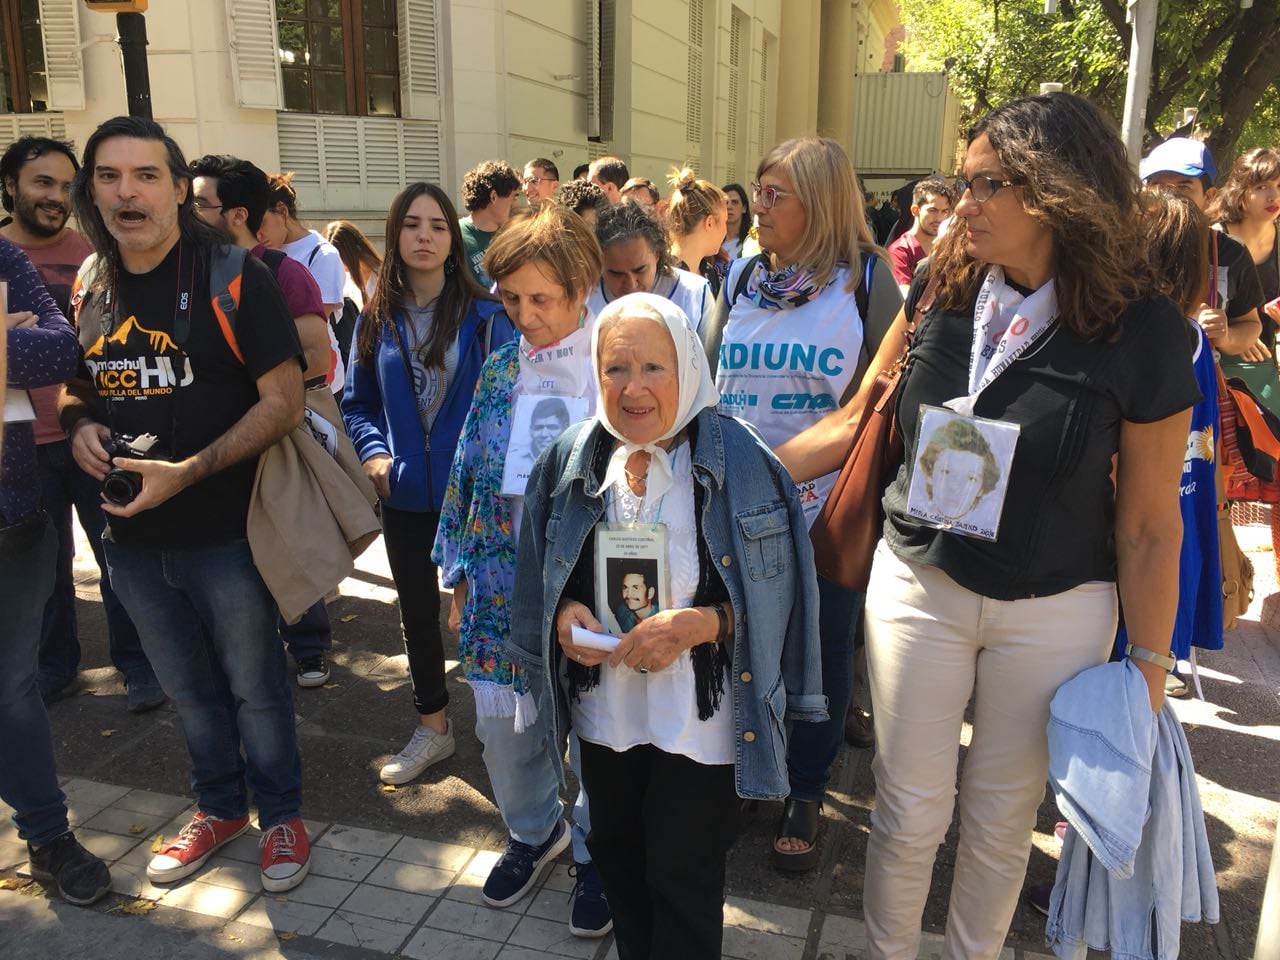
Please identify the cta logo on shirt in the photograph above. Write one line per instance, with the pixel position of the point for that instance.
(136, 362)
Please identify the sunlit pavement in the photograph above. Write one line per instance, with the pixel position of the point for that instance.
(398, 872)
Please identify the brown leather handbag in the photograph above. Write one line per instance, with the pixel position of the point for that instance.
(846, 532)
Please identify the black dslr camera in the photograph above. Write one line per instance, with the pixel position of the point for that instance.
(121, 486)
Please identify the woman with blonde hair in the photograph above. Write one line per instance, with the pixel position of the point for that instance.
(697, 212)
(793, 344)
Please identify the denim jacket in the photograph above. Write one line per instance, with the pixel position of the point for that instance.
(1136, 861)
(756, 533)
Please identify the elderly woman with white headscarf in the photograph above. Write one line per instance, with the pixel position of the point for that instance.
(685, 713)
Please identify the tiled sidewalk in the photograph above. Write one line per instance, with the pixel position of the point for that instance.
(395, 894)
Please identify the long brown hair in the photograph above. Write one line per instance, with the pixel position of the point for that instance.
(460, 291)
(1076, 181)
(1250, 169)
(357, 253)
(1176, 238)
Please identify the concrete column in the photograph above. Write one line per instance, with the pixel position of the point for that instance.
(798, 69)
(835, 87)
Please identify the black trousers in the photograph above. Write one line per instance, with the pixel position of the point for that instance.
(661, 826)
(408, 537)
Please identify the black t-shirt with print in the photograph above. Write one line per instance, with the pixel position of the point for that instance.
(136, 367)
(1069, 397)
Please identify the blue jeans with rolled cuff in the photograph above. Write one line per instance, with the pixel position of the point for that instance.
(208, 625)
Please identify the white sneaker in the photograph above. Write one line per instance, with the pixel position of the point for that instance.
(425, 748)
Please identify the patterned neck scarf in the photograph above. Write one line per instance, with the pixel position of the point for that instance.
(790, 287)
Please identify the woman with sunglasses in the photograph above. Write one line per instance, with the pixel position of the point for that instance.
(792, 343)
(1043, 330)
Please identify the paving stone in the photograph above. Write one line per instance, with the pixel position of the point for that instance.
(387, 904)
(285, 916)
(12, 853)
(320, 891)
(743, 944)
(234, 874)
(108, 846)
(340, 865)
(315, 829)
(559, 879)
(552, 936)
(843, 938)
(411, 878)
(243, 848)
(164, 805)
(207, 899)
(372, 843)
(511, 952)
(432, 944)
(126, 823)
(549, 904)
(129, 879)
(429, 853)
(470, 889)
(79, 812)
(368, 932)
(766, 917)
(471, 920)
(91, 792)
(931, 946)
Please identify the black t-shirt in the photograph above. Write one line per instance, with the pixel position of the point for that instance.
(1069, 397)
(1240, 277)
(135, 368)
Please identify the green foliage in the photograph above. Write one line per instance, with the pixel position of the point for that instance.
(1007, 48)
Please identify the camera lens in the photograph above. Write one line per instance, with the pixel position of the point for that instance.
(121, 487)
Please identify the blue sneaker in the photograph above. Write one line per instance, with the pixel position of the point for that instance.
(589, 916)
(516, 873)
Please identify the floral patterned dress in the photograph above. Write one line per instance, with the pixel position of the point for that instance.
(476, 541)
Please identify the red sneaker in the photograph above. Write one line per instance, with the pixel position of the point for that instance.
(193, 846)
(286, 856)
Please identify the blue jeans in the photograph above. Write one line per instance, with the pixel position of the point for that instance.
(525, 783)
(28, 778)
(814, 746)
(208, 625)
(65, 486)
(310, 636)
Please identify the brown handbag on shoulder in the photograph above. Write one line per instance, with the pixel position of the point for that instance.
(846, 532)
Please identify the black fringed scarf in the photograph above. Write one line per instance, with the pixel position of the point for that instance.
(711, 661)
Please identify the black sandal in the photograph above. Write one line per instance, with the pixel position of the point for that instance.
(800, 820)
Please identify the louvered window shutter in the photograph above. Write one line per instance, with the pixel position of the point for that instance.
(693, 89)
(419, 32)
(60, 31)
(255, 60)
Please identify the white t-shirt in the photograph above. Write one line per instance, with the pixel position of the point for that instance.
(688, 291)
(325, 263)
(628, 708)
(783, 370)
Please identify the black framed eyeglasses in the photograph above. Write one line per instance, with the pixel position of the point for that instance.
(982, 188)
(200, 204)
(530, 181)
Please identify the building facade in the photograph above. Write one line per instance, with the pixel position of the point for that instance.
(359, 97)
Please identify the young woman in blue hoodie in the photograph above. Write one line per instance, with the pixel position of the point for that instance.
(418, 348)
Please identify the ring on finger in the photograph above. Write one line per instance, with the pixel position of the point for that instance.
(642, 669)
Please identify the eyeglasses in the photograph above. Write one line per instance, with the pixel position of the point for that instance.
(530, 181)
(200, 204)
(765, 197)
(982, 188)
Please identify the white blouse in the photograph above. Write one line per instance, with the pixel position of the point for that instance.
(628, 708)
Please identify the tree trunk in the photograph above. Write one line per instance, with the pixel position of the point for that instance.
(1251, 67)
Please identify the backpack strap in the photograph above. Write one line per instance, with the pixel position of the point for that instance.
(273, 259)
(311, 257)
(714, 320)
(226, 275)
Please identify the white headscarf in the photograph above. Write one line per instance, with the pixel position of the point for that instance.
(697, 386)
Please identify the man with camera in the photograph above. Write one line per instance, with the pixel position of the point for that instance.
(42, 351)
(187, 378)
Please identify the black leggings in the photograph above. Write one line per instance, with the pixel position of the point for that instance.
(409, 536)
(661, 827)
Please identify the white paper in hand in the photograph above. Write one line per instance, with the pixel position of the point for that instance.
(591, 640)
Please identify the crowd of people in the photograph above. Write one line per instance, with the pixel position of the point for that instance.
(605, 420)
